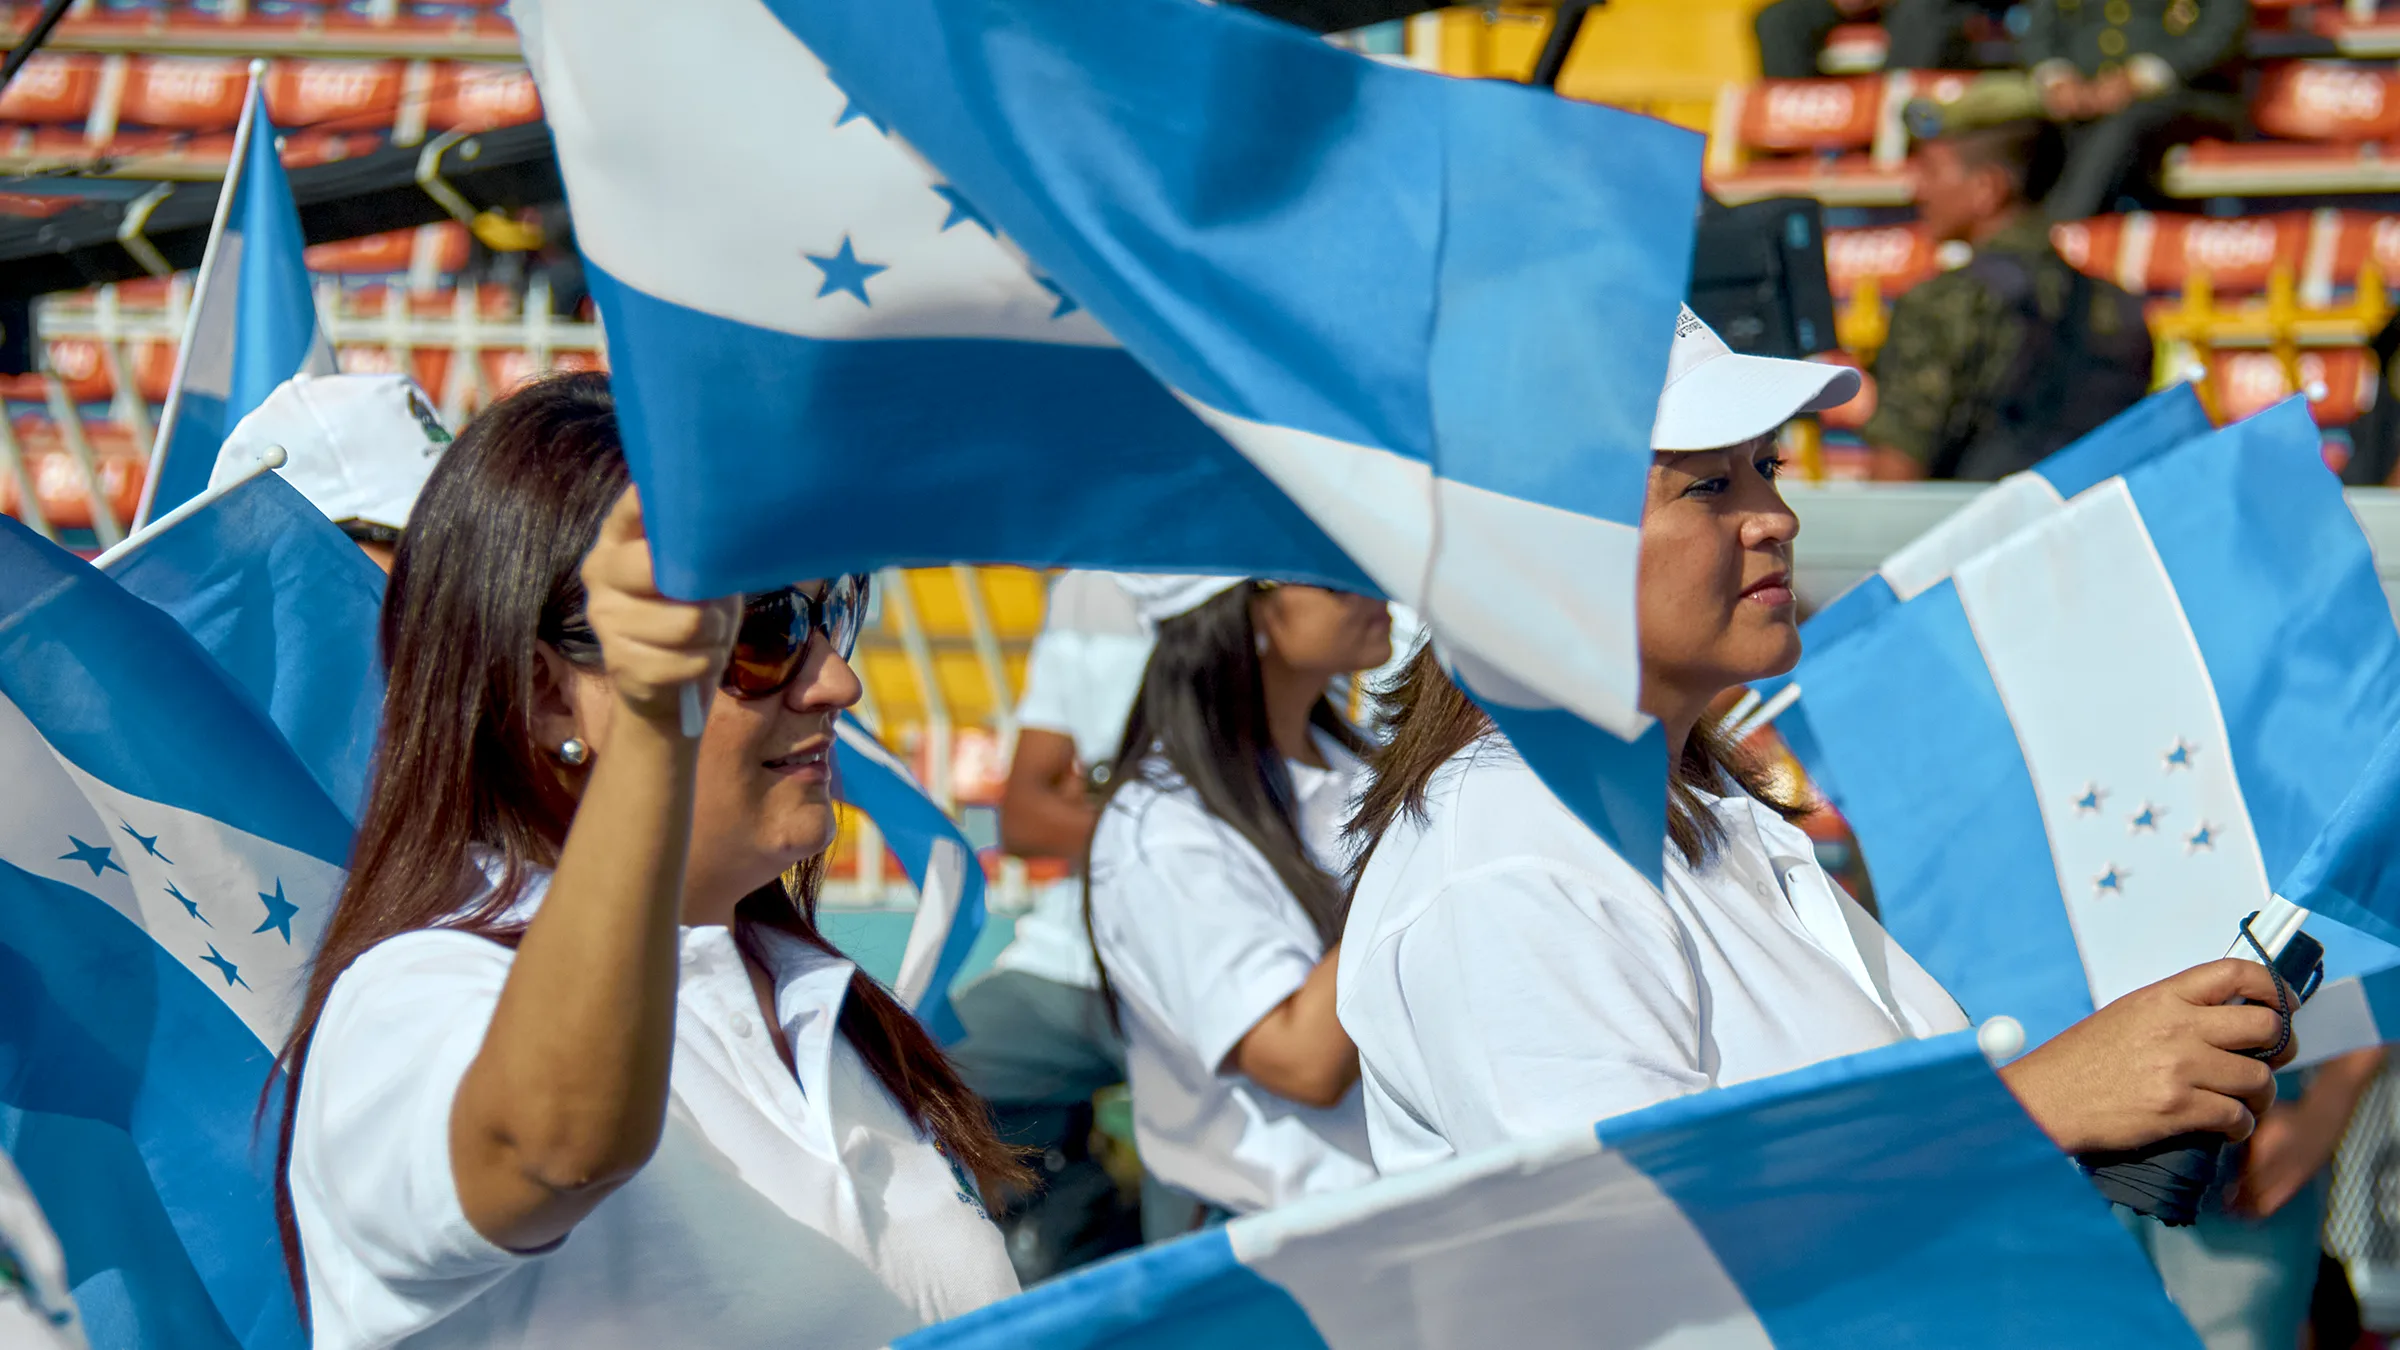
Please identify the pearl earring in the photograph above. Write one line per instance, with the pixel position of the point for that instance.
(573, 752)
(1262, 644)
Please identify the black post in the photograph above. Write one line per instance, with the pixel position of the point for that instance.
(18, 55)
(1562, 40)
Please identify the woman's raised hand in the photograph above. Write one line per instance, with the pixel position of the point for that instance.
(2158, 1062)
(652, 646)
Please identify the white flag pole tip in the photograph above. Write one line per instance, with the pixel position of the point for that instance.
(272, 460)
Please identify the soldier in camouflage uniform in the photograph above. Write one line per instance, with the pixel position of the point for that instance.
(2126, 75)
(1966, 385)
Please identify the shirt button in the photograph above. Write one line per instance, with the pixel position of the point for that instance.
(742, 1029)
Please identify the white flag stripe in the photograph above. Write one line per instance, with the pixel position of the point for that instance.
(2148, 830)
(1560, 1224)
(72, 828)
(2006, 507)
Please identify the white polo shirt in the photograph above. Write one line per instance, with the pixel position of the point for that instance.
(1201, 940)
(1505, 973)
(777, 1211)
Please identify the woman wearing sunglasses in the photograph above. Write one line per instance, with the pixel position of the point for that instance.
(1211, 893)
(1508, 973)
(574, 1066)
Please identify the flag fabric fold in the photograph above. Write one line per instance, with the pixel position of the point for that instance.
(289, 608)
(1381, 330)
(2076, 760)
(1899, 1197)
(253, 321)
(166, 866)
(939, 862)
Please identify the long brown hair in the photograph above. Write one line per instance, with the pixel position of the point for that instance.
(1428, 719)
(488, 567)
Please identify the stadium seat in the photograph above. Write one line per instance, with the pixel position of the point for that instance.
(1854, 49)
(473, 96)
(58, 482)
(430, 251)
(334, 95)
(2340, 383)
(1837, 140)
(2330, 120)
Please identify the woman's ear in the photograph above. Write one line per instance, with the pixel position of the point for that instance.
(555, 719)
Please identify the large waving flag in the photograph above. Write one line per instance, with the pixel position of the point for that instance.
(166, 865)
(253, 321)
(2078, 760)
(289, 608)
(1896, 1198)
(939, 861)
(1380, 329)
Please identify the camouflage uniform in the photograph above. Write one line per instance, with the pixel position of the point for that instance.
(1953, 346)
(2175, 50)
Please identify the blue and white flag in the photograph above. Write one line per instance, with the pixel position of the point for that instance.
(2351, 872)
(1896, 1198)
(166, 866)
(2151, 427)
(253, 321)
(938, 859)
(869, 267)
(289, 607)
(2079, 760)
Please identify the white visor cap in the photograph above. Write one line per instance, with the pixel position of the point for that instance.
(1716, 397)
(360, 447)
(1160, 596)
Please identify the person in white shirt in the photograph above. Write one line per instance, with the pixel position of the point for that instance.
(1507, 973)
(1213, 903)
(574, 1067)
(1039, 1039)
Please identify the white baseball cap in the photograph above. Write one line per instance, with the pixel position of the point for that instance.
(360, 446)
(1715, 396)
(1160, 596)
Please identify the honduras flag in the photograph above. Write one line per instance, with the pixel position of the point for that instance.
(166, 866)
(289, 607)
(2077, 762)
(1151, 285)
(1895, 1198)
(2155, 425)
(939, 861)
(253, 321)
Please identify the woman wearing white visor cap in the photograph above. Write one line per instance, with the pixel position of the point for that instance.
(1213, 897)
(1507, 974)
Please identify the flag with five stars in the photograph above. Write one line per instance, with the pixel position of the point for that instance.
(2076, 759)
(1152, 285)
(166, 865)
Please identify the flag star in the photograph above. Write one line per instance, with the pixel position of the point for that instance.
(844, 272)
(1065, 306)
(2180, 757)
(2203, 838)
(93, 856)
(2110, 882)
(231, 972)
(2145, 821)
(190, 906)
(149, 843)
(962, 211)
(851, 112)
(2089, 803)
(279, 912)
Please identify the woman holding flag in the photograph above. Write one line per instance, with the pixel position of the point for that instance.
(1212, 894)
(1507, 973)
(574, 1066)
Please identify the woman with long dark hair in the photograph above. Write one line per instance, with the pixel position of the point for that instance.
(1211, 891)
(574, 1065)
(1509, 973)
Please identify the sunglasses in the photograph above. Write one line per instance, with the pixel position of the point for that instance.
(771, 645)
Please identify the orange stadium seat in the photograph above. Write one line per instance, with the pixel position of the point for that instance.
(1895, 257)
(183, 93)
(334, 95)
(471, 96)
(79, 365)
(54, 87)
(441, 249)
(1817, 138)
(2340, 383)
(2331, 119)
(58, 485)
(2090, 245)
